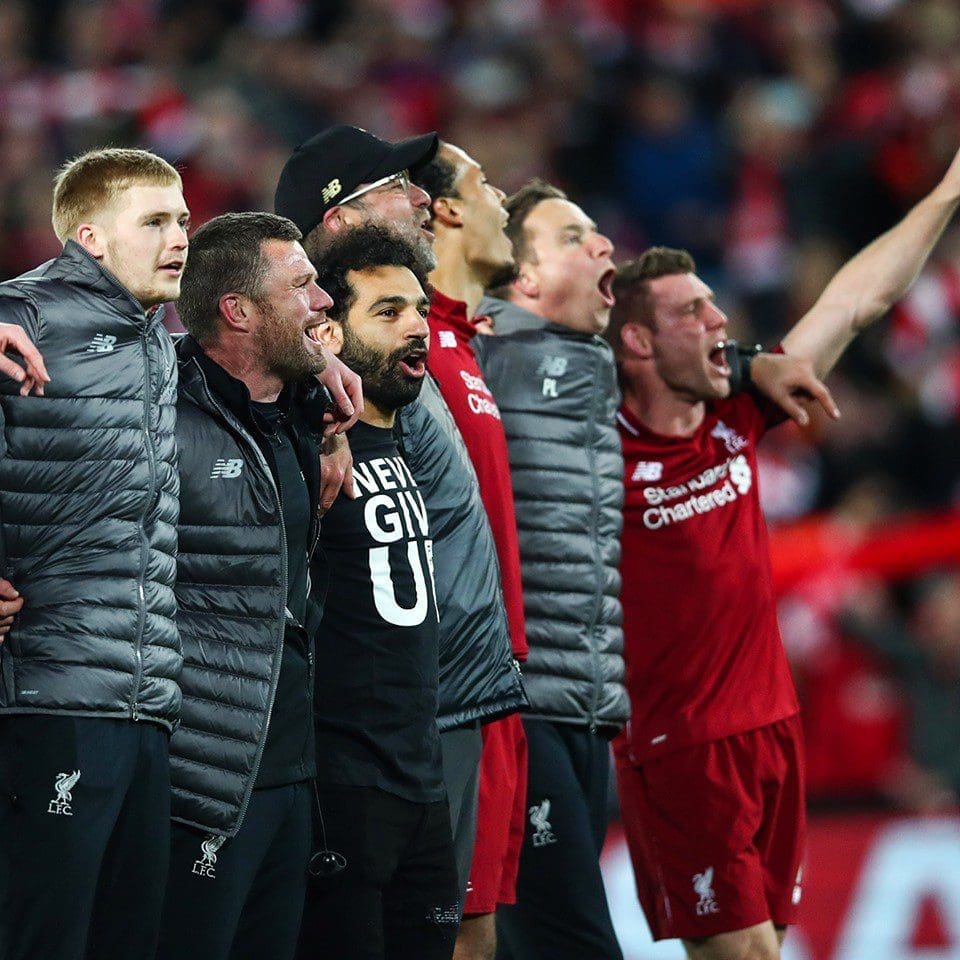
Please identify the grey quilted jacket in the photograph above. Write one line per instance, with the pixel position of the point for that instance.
(89, 500)
(557, 393)
(479, 679)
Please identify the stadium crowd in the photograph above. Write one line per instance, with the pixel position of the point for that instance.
(729, 159)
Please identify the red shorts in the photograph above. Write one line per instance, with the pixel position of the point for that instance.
(501, 816)
(716, 831)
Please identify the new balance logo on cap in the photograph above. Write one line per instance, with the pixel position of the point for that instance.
(331, 190)
(101, 343)
(226, 469)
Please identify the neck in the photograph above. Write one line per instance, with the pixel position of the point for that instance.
(661, 410)
(455, 277)
(264, 387)
(374, 416)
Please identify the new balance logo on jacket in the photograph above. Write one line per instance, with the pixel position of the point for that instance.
(101, 343)
(226, 469)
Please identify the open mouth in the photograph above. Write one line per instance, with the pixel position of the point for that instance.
(414, 364)
(312, 333)
(425, 229)
(718, 360)
(172, 269)
(605, 286)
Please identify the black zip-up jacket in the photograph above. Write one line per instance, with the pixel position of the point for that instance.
(89, 500)
(556, 390)
(231, 594)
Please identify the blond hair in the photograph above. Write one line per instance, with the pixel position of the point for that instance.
(92, 182)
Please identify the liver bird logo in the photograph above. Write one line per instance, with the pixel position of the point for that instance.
(65, 783)
(703, 884)
(210, 846)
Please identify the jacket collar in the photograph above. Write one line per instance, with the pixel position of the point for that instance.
(77, 267)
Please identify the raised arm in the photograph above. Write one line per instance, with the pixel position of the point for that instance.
(867, 286)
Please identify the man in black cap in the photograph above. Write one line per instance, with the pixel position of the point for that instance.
(344, 177)
(339, 180)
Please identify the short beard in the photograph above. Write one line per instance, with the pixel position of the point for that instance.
(384, 383)
(280, 354)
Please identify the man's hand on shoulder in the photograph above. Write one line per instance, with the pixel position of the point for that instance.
(790, 383)
(336, 471)
(347, 391)
(10, 605)
(33, 374)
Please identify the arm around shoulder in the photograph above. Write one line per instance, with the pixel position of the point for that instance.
(19, 335)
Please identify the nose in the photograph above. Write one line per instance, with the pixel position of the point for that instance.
(418, 196)
(418, 328)
(319, 298)
(601, 246)
(715, 316)
(177, 238)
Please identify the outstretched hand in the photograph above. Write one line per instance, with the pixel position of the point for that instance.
(33, 374)
(791, 383)
(347, 391)
(10, 605)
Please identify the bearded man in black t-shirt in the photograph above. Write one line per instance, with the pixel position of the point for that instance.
(386, 883)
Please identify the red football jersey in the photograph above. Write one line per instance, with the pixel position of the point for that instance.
(454, 366)
(702, 645)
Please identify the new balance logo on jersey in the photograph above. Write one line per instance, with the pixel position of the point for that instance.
(226, 469)
(60, 804)
(731, 439)
(648, 470)
(542, 831)
(205, 866)
(101, 343)
(703, 888)
(446, 338)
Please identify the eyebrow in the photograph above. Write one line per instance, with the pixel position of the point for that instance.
(394, 300)
(166, 213)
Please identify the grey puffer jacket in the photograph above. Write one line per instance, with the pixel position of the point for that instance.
(232, 597)
(479, 679)
(89, 501)
(557, 393)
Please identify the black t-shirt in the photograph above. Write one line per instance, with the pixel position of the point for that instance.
(377, 668)
(288, 754)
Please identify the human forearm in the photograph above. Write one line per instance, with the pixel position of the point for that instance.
(868, 285)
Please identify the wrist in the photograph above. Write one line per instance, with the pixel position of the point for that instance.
(739, 357)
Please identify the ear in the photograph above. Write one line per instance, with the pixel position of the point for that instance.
(338, 219)
(637, 340)
(528, 281)
(447, 211)
(88, 236)
(237, 311)
(331, 336)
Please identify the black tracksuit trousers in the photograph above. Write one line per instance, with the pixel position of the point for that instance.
(84, 837)
(561, 911)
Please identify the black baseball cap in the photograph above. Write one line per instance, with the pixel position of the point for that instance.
(334, 162)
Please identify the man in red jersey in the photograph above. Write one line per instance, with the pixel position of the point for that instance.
(711, 768)
(472, 253)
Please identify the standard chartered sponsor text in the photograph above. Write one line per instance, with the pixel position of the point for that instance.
(739, 479)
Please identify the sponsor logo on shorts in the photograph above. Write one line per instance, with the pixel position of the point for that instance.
(60, 805)
(206, 865)
(703, 888)
(542, 831)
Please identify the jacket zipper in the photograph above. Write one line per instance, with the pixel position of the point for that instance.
(144, 547)
(284, 573)
(598, 599)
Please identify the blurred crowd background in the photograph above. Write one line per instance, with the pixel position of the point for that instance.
(771, 138)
